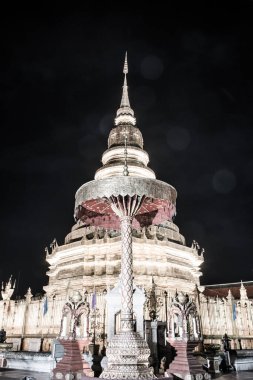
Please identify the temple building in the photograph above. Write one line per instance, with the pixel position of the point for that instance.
(88, 265)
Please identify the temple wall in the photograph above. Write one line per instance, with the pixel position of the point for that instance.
(12, 316)
(30, 329)
(226, 315)
(22, 318)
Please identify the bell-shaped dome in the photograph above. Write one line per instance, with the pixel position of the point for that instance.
(118, 134)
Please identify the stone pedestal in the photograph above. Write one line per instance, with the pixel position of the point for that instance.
(127, 355)
(213, 363)
(71, 367)
(185, 364)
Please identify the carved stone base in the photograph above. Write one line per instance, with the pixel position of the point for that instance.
(185, 365)
(71, 366)
(128, 355)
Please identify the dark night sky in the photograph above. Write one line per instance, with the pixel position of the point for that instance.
(191, 87)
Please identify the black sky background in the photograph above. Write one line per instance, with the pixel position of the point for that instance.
(191, 87)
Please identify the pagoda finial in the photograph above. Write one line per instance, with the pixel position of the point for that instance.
(125, 99)
(125, 69)
(125, 114)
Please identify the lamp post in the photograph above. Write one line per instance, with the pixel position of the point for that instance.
(166, 312)
(104, 314)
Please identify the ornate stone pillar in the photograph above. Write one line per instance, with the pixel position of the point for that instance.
(126, 274)
(127, 352)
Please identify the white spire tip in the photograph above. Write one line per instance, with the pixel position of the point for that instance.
(125, 69)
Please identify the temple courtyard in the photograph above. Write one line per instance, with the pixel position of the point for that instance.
(22, 374)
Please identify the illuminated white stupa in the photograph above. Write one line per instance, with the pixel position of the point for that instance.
(89, 261)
